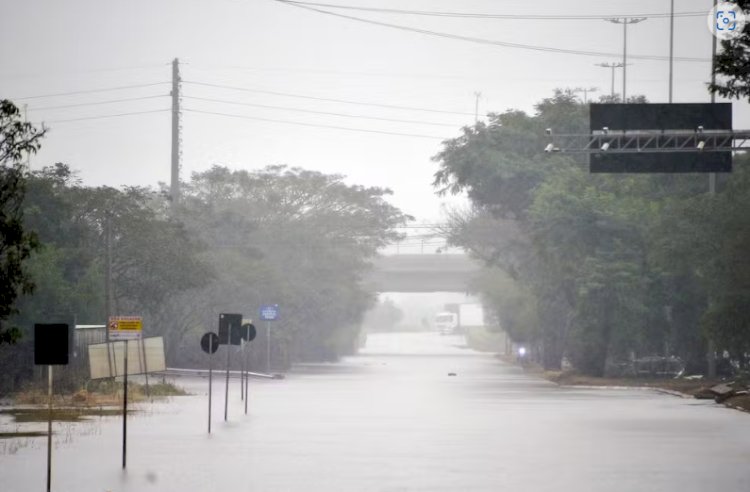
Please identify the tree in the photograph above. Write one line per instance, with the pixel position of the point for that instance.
(384, 316)
(301, 238)
(17, 139)
(733, 63)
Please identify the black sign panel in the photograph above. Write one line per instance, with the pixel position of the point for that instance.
(689, 116)
(210, 342)
(662, 117)
(230, 323)
(662, 162)
(51, 344)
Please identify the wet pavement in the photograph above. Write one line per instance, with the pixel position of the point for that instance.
(393, 419)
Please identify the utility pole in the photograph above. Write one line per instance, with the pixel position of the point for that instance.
(613, 66)
(477, 95)
(107, 272)
(625, 21)
(671, 48)
(26, 120)
(712, 192)
(585, 91)
(175, 182)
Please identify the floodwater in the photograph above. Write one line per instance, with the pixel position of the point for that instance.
(393, 419)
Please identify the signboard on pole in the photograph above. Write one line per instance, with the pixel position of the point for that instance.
(229, 329)
(269, 312)
(125, 328)
(107, 360)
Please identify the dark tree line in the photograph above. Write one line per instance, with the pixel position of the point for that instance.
(598, 268)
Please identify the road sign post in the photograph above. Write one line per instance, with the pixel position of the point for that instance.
(125, 410)
(210, 344)
(268, 313)
(268, 347)
(210, 377)
(248, 332)
(229, 334)
(49, 428)
(51, 347)
(125, 328)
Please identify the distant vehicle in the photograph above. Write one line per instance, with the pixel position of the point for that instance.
(446, 322)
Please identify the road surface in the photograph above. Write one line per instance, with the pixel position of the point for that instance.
(393, 419)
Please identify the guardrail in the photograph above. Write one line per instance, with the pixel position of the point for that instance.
(174, 371)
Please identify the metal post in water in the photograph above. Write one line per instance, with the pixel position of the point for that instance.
(268, 347)
(247, 377)
(210, 377)
(242, 370)
(145, 366)
(226, 394)
(125, 411)
(49, 429)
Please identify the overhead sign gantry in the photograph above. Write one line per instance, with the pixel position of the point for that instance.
(656, 138)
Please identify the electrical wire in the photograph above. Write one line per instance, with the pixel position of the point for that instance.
(108, 116)
(315, 98)
(314, 125)
(90, 91)
(111, 101)
(484, 41)
(82, 71)
(473, 15)
(310, 111)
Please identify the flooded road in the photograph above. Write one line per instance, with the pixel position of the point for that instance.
(393, 419)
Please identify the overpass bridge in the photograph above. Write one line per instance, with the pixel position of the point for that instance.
(423, 273)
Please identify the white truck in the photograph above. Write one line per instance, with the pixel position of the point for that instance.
(446, 322)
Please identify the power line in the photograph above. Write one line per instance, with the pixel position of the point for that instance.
(111, 101)
(344, 115)
(473, 15)
(78, 72)
(90, 91)
(108, 116)
(314, 125)
(490, 42)
(315, 98)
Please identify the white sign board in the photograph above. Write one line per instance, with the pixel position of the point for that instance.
(107, 360)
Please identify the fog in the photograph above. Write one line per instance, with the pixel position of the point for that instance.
(439, 245)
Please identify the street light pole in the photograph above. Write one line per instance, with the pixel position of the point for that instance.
(625, 21)
(585, 91)
(612, 66)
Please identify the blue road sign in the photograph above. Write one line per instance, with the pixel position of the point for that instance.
(269, 312)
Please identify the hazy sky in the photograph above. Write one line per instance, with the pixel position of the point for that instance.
(49, 47)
